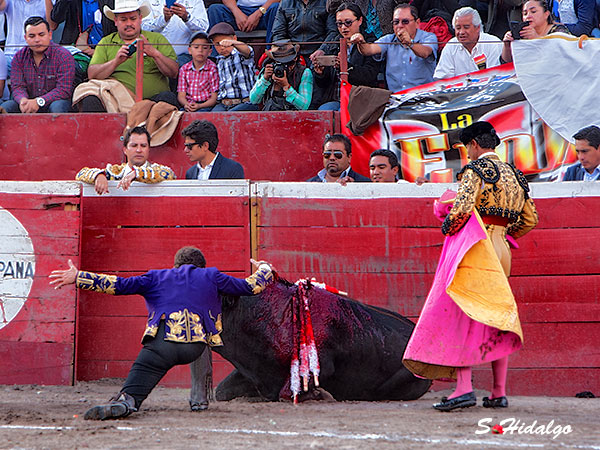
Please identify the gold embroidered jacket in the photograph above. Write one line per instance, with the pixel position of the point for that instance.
(147, 173)
(495, 188)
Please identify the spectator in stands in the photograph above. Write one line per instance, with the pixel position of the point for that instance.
(112, 58)
(579, 16)
(237, 71)
(83, 19)
(362, 70)
(383, 166)
(409, 53)
(177, 23)
(337, 153)
(4, 94)
(306, 21)
(16, 12)
(201, 142)
(245, 15)
(198, 79)
(284, 83)
(136, 147)
(587, 146)
(42, 73)
(541, 24)
(478, 51)
(378, 14)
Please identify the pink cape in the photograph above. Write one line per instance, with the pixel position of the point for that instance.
(445, 337)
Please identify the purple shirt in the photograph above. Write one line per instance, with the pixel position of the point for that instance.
(52, 79)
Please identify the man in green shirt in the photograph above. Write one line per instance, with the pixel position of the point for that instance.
(113, 59)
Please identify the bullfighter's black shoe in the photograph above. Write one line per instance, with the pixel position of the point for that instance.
(499, 402)
(120, 406)
(462, 401)
(196, 407)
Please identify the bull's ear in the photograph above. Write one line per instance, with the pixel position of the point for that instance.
(227, 301)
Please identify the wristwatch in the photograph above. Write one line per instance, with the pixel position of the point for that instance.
(40, 101)
(262, 10)
(412, 42)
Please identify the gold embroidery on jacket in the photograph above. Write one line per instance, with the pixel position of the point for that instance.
(97, 282)
(505, 197)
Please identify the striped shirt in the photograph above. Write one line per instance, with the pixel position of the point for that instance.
(198, 84)
(51, 80)
(237, 75)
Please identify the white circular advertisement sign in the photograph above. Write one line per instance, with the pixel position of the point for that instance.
(17, 266)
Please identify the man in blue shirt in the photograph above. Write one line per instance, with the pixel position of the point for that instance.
(410, 53)
(587, 146)
(184, 316)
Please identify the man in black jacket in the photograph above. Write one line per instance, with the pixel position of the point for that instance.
(337, 153)
(201, 141)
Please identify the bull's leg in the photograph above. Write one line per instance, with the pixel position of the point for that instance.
(236, 385)
(202, 390)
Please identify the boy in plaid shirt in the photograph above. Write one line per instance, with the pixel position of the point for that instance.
(237, 71)
(199, 79)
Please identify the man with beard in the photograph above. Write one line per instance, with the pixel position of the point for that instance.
(478, 51)
(337, 153)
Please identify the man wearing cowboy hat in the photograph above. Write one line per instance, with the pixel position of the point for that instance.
(113, 59)
(284, 84)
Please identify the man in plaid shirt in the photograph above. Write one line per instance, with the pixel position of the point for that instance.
(42, 73)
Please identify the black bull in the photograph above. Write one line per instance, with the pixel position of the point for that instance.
(360, 347)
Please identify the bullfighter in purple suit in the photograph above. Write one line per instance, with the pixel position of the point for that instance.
(184, 316)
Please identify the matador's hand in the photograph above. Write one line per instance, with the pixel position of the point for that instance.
(64, 277)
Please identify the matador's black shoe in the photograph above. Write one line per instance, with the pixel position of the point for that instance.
(196, 407)
(462, 401)
(120, 406)
(499, 402)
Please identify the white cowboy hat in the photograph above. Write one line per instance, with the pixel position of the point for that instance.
(125, 6)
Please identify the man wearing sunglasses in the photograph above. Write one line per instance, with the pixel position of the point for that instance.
(201, 141)
(136, 148)
(337, 153)
(409, 53)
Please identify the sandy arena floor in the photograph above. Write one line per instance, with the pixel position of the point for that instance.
(51, 417)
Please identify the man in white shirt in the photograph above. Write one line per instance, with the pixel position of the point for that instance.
(471, 50)
(177, 23)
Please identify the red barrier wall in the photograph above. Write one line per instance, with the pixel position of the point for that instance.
(379, 242)
(268, 145)
(39, 230)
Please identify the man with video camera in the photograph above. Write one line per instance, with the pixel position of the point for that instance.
(284, 83)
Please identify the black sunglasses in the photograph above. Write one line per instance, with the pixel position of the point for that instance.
(189, 145)
(346, 22)
(337, 153)
(403, 21)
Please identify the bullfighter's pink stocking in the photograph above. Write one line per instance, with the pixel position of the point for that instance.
(463, 382)
(499, 369)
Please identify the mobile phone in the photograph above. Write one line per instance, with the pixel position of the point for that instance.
(325, 60)
(170, 3)
(131, 49)
(516, 27)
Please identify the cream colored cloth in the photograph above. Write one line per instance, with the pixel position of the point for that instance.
(160, 119)
(115, 97)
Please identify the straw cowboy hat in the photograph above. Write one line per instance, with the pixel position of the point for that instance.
(125, 6)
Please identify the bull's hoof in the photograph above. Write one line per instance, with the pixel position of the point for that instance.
(318, 394)
(197, 407)
(500, 402)
(462, 401)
